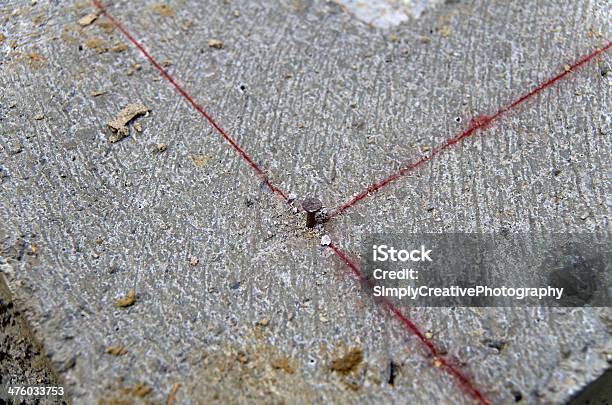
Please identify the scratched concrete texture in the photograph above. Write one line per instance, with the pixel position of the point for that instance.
(236, 300)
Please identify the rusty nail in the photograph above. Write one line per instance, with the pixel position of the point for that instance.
(311, 205)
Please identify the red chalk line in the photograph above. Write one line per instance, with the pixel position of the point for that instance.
(479, 123)
(469, 387)
(237, 148)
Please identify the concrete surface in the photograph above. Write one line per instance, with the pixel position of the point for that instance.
(326, 104)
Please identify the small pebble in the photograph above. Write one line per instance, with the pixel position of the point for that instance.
(325, 240)
(193, 260)
(128, 300)
(215, 43)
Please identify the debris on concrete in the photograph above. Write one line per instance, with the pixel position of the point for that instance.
(263, 322)
(128, 300)
(97, 93)
(216, 43)
(161, 147)
(119, 123)
(116, 350)
(2, 38)
(88, 19)
(134, 68)
(120, 47)
(138, 126)
(200, 160)
(347, 363)
(428, 335)
(173, 392)
(164, 10)
(325, 240)
(39, 116)
(96, 44)
(282, 363)
(193, 261)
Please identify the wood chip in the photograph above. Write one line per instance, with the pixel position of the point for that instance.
(88, 19)
(119, 123)
(216, 43)
(173, 391)
(117, 350)
(128, 300)
(97, 93)
(119, 48)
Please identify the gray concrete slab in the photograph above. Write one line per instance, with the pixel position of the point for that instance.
(236, 300)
